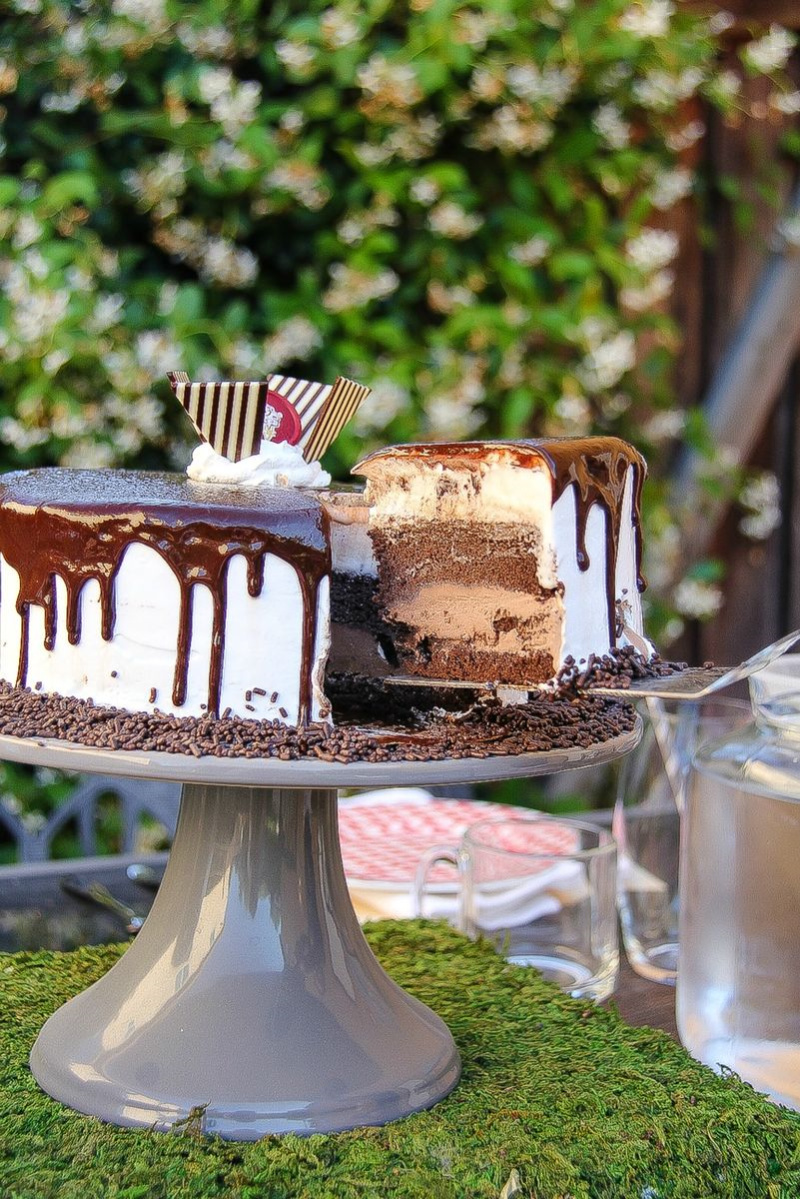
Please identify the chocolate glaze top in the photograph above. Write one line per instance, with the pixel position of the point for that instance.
(595, 467)
(77, 525)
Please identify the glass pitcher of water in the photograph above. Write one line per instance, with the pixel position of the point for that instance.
(738, 990)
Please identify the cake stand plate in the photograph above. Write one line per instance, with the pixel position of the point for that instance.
(250, 1000)
(308, 772)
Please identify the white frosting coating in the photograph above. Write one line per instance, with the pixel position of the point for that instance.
(263, 641)
(277, 465)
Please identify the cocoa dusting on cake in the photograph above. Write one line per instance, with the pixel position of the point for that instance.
(618, 668)
(414, 732)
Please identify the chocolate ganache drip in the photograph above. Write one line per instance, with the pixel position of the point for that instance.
(78, 524)
(597, 469)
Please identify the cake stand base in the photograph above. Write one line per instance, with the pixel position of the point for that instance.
(250, 997)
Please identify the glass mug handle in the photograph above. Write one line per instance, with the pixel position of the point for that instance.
(431, 857)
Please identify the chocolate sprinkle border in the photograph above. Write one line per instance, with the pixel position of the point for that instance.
(485, 729)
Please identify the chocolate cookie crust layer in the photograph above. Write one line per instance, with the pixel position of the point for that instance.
(485, 730)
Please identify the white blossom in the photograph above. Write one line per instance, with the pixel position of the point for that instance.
(228, 264)
(761, 495)
(292, 120)
(671, 186)
(530, 252)
(424, 191)
(488, 83)
(351, 288)
(300, 179)
(666, 425)
(26, 231)
(144, 12)
(214, 82)
(447, 299)
(652, 249)
(295, 339)
(238, 108)
(35, 263)
(162, 179)
(450, 219)
(22, 437)
(726, 85)
(108, 311)
(657, 288)
(297, 56)
(573, 413)
(53, 362)
(697, 600)
(512, 131)
(452, 415)
(223, 155)
(386, 401)
(475, 28)
(786, 102)
(338, 28)
(685, 137)
(648, 18)
(37, 314)
(147, 415)
(531, 83)
(212, 41)
(392, 84)
(610, 124)
(607, 362)
(156, 352)
(167, 297)
(659, 89)
(771, 52)
(371, 155)
(720, 22)
(789, 230)
(68, 101)
(89, 455)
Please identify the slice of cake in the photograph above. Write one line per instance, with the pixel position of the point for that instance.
(497, 561)
(149, 591)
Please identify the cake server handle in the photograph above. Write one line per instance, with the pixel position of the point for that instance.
(98, 894)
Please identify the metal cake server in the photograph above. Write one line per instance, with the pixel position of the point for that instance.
(692, 683)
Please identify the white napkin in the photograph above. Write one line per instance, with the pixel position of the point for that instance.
(499, 906)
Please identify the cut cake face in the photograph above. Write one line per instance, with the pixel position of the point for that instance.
(497, 561)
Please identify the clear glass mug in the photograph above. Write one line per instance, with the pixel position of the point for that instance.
(647, 821)
(543, 891)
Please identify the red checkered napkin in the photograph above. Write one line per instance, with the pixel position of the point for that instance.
(384, 843)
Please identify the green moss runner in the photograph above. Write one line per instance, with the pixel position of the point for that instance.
(558, 1100)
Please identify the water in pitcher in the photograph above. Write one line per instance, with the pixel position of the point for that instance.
(738, 1000)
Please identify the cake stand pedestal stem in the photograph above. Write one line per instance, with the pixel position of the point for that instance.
(250, 996)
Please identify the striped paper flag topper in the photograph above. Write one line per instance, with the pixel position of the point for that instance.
(234, 418)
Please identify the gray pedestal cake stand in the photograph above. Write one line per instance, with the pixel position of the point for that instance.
(250, 993)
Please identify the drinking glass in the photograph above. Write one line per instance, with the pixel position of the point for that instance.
(647, 820)
(542, 890)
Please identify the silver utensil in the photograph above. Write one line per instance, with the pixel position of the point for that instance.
(694, 682)
(144, 875)
(99, 895)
